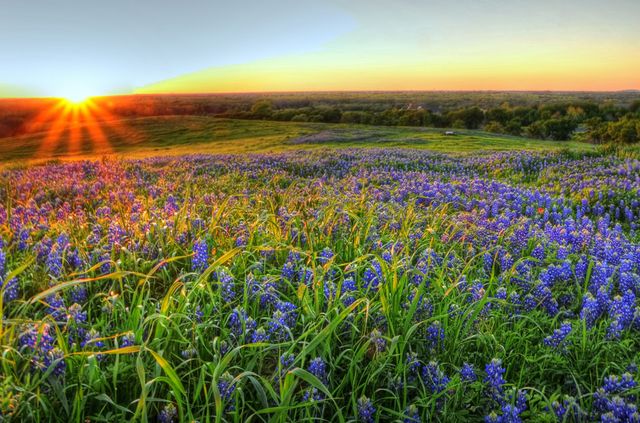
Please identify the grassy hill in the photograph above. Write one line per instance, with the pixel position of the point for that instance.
(201, 134)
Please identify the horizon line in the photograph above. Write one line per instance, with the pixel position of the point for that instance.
(381, 91)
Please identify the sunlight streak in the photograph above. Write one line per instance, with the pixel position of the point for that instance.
(76, 126)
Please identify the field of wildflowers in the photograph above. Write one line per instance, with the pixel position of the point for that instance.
(340, 285)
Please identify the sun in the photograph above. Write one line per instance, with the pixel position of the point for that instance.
(77, 99)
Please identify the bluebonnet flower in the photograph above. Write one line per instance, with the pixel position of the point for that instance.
(591, 310)
(366, 410)
(538, 252)
(76, 315)
(506, 262)
(79, 294)
(411, 415)
(305, 275)
(467, 373)
(188, 353)
(268, 295)
(23, 239)
(434, 378)
(495, 380)
(435, 335)
(259, 335)
(477, 292)
(227, 286)
(413, 366)
(171, 205)
(510, 412)
(501, 294)
(200, 256)
(487, 260)
(567, 407)
(56, 307)
(318, 368)
(288, 271)
(378, 343)
(617, 384)
(544, 297)
(325, 255)
(54, 358)
(198, 314)
(329, 290)
(54, 262)
(621, 310)
(10, 289)
(92, 340)
(347, 289)
(387, 256)
(241, 241)
(423, 310)
(629, 282)
(37, 340)
(127, 340)
(287, 360)
(312, 395)
(293, 257)
(74, 259)
(613, 402)
(289, 312)
(168, 414)
(559, 338)
(278, 327)
(226, 388)
(240, 323)
(581, 268)
(373, 275)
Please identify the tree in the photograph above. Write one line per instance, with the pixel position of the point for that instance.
(499, 115)
(262, 109)
(624, 131)
(559, 129)
(495, 127)
(471, 117)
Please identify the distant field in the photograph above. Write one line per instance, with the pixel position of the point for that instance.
(188, 134)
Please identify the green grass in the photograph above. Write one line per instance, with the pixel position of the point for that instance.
(200, 134)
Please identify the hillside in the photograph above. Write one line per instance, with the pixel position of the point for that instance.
(188, 134)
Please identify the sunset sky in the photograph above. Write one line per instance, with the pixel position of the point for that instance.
(86, 47)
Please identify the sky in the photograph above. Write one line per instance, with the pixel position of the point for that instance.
(86, 47)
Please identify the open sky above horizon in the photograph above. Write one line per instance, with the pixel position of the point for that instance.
(73, 47)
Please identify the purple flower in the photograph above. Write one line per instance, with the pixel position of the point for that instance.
(495, 380)
(200, 256)
(467, 373)
(411, 415)
(318, 368)
(325, 256)
(435, 335)
(559, 338)
(377, 341)
(434, 378)
(366, 410)
(168, 414)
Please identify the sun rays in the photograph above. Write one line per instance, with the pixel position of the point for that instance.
(77, 126)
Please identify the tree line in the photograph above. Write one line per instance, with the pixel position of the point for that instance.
(584, 121)
(590, 117)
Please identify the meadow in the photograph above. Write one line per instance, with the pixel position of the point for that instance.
(336, 273)
(176, 135)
